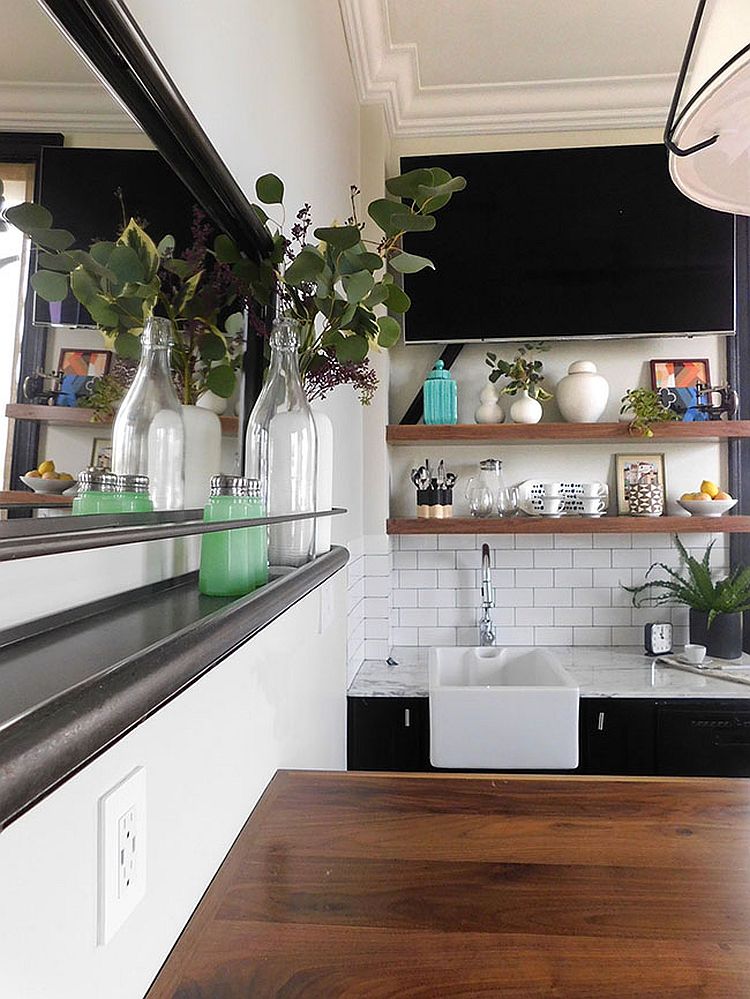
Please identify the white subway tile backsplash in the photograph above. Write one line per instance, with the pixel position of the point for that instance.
(536, 577)
(503, 617)
(612, 616)
(417, 542)
(468, 559)
(553, 636)
(437, 598)
(594, 596)
(377, 607)
(612, 577)
(535, 541)
(456, 542)
(613, 541)
(651, 540)
(376, 648)
(557, 596)
(377, 565)
(573, 615)
(403, 598)
(592, 558)
(553, 558)
(632, 557)
(466, 636)
(436, 560)
(627, 636)
(404, 636)
(437, 636)
(378, 586)
(573, 577)
(513, 559)
(513, 597)
(517, 636)
(503, 577)
(420, 579)
(405, 560)
(458, 617)
(497, 542)
(455, 579)
(573, 540)
(417, 617)
(592, 636)
(376, 627)
(535, 616)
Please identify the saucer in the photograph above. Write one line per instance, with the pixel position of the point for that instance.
(686, 662)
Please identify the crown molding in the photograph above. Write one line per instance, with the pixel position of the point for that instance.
(388, 74)
(81, 107)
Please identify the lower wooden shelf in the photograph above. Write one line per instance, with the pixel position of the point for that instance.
(20, 497)
(727, 524)
(71, 416)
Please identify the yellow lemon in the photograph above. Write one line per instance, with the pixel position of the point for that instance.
(65, 475)
(687, 496)
(722, 496)
(702, 496)
(33, 474)
(709, 487)
(46, 466)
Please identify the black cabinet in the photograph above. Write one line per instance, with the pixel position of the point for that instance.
(703, 738)
(617, 735)
(388, 733)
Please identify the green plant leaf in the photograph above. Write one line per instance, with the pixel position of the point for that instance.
(52, 239)
(125, 263)
(235, 324)
(382, 211)
(139, 240)
(352, 349)
(61, 262)
(101, 252)
(378, 295)
(270, 190)
(166, 246)
(182, 268)
(259, 212)
(398, 300)
(127, 345)
(221, 379)
(407, 184)
(357, 286)
(305, 267)
(411, 222)
(246, 271)
(226, 249)
(50, 286)
(427, 192)
(29, 216)
(409, 263)
(84, 286)
(211, 347)
(390, 331)
(103, 313)
(341, 237)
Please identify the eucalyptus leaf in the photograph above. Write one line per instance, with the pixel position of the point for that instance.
(29, 216)
(427, 193)
(221, 379)
(235, 324)
(398, 300)
(406, 185)
(103, 313)
(381, 211)
(411, 222)
(52, 239)
(226, 250)
(409, 263)
(61, 262)
(101, 252)
(182, 268)
(306, 267)
(390, 331)
(378, 295)
(357, 286)
(270, 190)
(166, 246)
(342, 237)
(246, 270)
(211, 347)
(84, 286)
(364, 260)
(128, 345)
(259, 212)
(50, 286)
(352, 349)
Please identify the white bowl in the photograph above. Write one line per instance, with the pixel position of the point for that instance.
(47, 485)
(707, 508)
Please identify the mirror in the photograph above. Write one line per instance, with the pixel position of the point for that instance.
(95, 161)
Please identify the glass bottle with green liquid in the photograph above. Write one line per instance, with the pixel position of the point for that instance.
(132, 494)
(96, 493)
(233, 562)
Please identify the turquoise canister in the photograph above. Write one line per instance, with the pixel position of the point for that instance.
(440, 396)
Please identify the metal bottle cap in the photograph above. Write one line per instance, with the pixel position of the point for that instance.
(491, 465)
(131, 483)
(95, 480)
(230, 485)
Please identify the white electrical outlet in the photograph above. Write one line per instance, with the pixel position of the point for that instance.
(122, 852)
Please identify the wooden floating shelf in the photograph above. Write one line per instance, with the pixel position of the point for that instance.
(727, 524)
(523, 433)
(70, 416)
(20, 497)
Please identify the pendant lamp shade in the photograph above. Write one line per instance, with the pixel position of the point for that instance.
(708, 130)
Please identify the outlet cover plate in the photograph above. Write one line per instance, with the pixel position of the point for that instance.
(122, 852)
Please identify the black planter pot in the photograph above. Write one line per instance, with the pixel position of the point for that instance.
(723, 640)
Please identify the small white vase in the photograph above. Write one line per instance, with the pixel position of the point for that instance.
(209, 400)
(489, 409)
(582, 394)
(525, 409)
(202, 453)
(324, 481)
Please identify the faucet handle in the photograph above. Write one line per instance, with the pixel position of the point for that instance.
(488, 593)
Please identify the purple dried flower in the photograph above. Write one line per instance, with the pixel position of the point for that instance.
(330, 372)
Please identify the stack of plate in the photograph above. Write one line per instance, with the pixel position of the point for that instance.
(558, 499)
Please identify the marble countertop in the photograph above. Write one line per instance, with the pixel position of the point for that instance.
(619, 671)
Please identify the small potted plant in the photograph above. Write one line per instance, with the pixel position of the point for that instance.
(524, 376)
(716, 607)
(646, 408)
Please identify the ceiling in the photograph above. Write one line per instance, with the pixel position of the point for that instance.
(44, 83)
(445, 67)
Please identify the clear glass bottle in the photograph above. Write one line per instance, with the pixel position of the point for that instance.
(230, 559)
(259, 541)
(148, 436)
(131, 494)
(96, 493)
(281, 450)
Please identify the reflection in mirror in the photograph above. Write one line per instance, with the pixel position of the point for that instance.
(62, 378)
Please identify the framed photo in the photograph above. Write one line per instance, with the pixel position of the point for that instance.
(630, 469)
(676, 381)
(80, 370)
(101, 454)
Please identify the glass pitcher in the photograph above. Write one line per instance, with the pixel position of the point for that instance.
(482, 491)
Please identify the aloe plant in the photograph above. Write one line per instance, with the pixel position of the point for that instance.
(694, 587)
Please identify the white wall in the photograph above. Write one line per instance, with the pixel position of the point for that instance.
(208, 756)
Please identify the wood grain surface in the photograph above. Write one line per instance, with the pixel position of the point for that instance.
(727, 524)
(71, 416)
(521, 433)
(367, 885)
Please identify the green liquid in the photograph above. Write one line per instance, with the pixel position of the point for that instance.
(94, 502)
(233, 563)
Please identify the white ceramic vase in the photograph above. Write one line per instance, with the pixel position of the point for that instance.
(202, 453)
(324, 484)
(582, 394)
(525, 409)
(489, 409)
(215, 403)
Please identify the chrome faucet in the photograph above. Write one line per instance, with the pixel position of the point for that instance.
(486, 625)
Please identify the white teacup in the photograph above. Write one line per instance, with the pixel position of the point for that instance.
(551, 505)
(553, 488)
(694, 654)
(593, 504)
(590, 489)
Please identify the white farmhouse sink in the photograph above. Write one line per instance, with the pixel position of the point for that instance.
(495, 708)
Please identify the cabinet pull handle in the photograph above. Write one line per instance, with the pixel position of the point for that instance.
(600, 723)
(407, 717)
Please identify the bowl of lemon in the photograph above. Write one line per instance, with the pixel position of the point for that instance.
(708, 501)
(46, 479)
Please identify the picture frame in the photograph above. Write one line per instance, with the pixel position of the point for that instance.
(79, 370)
(675, 379)
(635, 467)
(101, 454)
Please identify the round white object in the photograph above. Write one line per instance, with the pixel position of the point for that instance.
(489, 409)
(202, 454)
(525, 409)
(215, 403)
(582, 394)
(707, 508)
